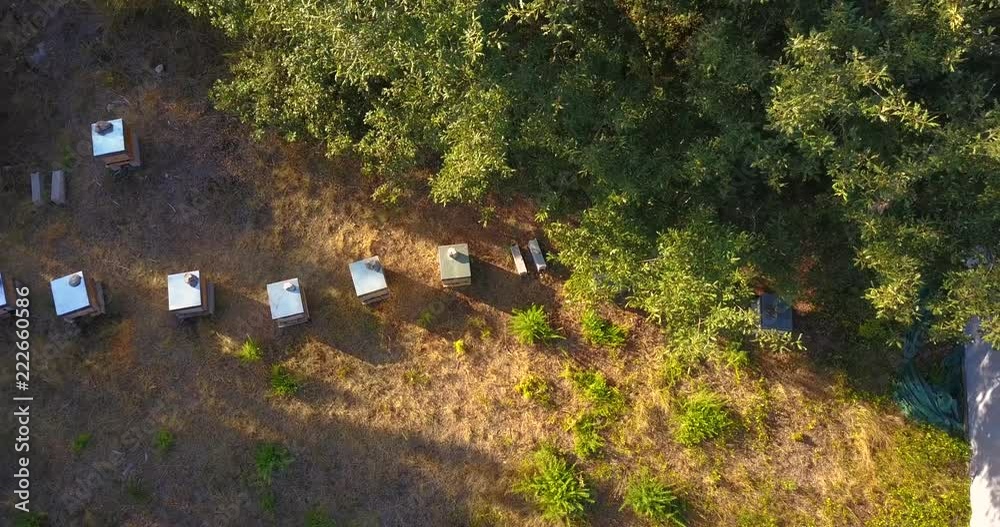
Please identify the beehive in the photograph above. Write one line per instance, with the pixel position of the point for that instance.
(369, 280)
(519, 266)
(774, 313)
(536, 255)
(456, 266)
(7, 296)
(288, 303)
(190, 295)
(76, 296)
(117, 146)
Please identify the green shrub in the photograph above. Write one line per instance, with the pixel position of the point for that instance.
(318, 518)
(31, 519)
(532, 326)
(602, 332)
(534, 388)
(606, 404)
(81, 442)
(283, 383)
(703, 416)
(250, 351)
(594, 387)
(164, 441)
(269, 459)
(460, 348)
(586, 428)
(137, 491)
(555, 487)
(653, 500)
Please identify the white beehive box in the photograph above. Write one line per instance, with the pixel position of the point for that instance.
(117, 146)
(190, 295)
(369, 280)
(456, 265)
(7, 296)
(537, 256)
(287, 299)
(58, 187)
(77, 295)
(519, 266)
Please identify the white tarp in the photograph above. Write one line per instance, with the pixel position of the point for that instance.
(982, 386)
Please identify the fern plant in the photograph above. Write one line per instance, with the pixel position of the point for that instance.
(555, 487)
(602, 332)
(703, 416)
(531, 326)
(653, 500)
(283, 383)
(250, 351)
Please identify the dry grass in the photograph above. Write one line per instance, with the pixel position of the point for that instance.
(390, 426)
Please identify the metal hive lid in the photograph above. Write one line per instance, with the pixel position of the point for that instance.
(68, 298)
(111, 143)
(180, 294)
(3, 291)
(457, 265)
(285, 303)
(368, 276)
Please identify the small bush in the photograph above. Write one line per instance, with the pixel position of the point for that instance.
(283, 383)
(416, 377)
(479, 324)
(250, 351)
(460, 348)
(31, 519)
(555, 487)
(587, 440)
(531, 326)
(703, 416)
(426, 319)
(653, 500)
(602, 332)
(164, 441)
(81, 442)
(534, 388)
(137, 491)
(270, 458)
(318, 518)
(594, 387)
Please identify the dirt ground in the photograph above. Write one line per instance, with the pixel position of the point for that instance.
(391, 427)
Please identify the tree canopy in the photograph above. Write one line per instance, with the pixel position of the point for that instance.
(676, 145)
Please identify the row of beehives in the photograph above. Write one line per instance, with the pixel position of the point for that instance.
(191, 295)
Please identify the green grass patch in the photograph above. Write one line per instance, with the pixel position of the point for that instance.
(535, 389)
(925, 480)
(605, 405)
(31, 519)
(164, 441)
(137, 491)
(703, 416)
(460, 348)
(318, 518)
(554, 486)
(81, 442)
(283, 383)
(269, 459)
(653, 500)
(602, 332)
(531, 326)
(250, 351)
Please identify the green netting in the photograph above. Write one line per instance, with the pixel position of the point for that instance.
(920, 400)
